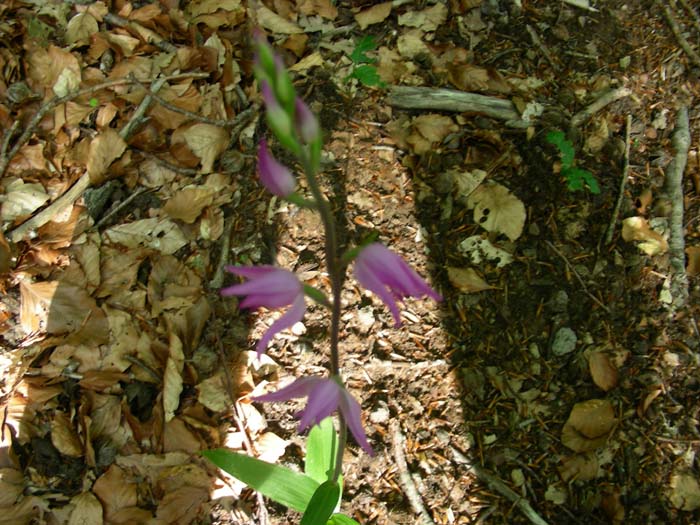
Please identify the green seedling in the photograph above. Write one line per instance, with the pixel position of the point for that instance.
(362, 68)
(576, 178)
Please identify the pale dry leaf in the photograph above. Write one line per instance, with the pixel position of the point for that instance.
(172, 379)
(87, 509)
(275, 23)
(64, 437)
(11, 486)
(465, 182)
(373, 15)
(597, 136)
(650, 241)
(162, 235)
(207, 142)
(684, 491)
(581, 467)
(270, 447)
(213, 393)
(325, 8)
(479, 249)
(428, 19)
(603, 371)
(496, 209)
(107, 147)
(67, 82)
(22, 199)
(412, 43)
(119, 268)
(693, 254)
(126, 43)
(312, 60)
(24, 512)
(467, 280)
(207, 7)
(589, 425)
(187, 204)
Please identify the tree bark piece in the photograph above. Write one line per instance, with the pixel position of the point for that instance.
(441, 99)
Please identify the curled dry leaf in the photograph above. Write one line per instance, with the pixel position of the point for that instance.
(172, 380)
(589, 425)
(581, 467)
(107, 147)
(638, 229)
(603, 371)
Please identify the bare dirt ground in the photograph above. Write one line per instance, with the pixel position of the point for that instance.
(558, 382)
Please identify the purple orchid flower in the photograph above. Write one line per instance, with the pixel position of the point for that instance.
(275, 176)
(387, 275)
(306, 123)
(270, 287)
(326, 395)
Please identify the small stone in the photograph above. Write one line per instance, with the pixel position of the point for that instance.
(564, 341)
(379, 416)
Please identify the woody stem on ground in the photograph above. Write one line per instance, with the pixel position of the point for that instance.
(335, 273)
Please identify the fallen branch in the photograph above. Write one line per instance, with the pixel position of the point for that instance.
(452, 100)
(607, 98)
(623, 183)
(409, 488)
(496, 484)
(685, 45)
(674, 190)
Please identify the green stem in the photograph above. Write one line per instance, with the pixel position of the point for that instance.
(335, 273)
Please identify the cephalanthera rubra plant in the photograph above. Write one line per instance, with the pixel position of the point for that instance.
(317, 491)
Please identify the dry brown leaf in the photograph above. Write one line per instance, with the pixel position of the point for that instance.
(589, 425)
(684, 491)
(115, 490)
(107, 147)
(119, 269)
(654, 392)
(643, 202)
(181, 505)
(162, 235)
(207, 142)
(638, 229)
(24, 512)
(428, 19)
(11, 486)
(80, 28)
(172, 379)
(64, 437)
(429, 130)
(213, 393)
(178, 437)
(318, 7)
(693, 253)
(581, 467)
(275, 23)
(22, 199)
(374, 15)
(87, 509)
(497, 210)
(188, 203)
(603, 371)
(467, 280)
(471, 78)
(613, 507)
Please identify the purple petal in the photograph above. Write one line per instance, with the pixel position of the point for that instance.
(368, 280)
(299, 388)
(351, 411)
(323, 401)
(275, 176)
(291, 316)
(270, 287)
(306, 122)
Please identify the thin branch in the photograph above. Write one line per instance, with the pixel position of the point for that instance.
(538, 42)
(674, 189)
(409, 488)
(500, 487)
(668, 15)
(598, 104)
(623, 183)
(578, 277)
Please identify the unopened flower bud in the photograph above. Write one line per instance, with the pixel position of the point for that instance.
(306, 122)
(275, 176)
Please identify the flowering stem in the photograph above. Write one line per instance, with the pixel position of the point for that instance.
(335, 273)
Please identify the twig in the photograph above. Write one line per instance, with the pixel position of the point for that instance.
(7, 138)
(123, 204)
(695, 18)
(218, 280)
(500, 487)
(607, 98)
(674, 190)
(578, 277)
(405, 479)
(149, 36)
(623, 183)
(75, 191)
(538, 42)
(668, 15)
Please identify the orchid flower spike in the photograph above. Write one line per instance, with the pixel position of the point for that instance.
(384, 273)
(325, 396)
(275, 176)
(270, 287)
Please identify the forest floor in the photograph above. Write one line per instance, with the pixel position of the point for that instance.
(557, 382)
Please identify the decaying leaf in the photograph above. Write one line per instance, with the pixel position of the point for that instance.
(479, 249)
(467, 280)
(589, 425)
(465, 182)
(684, 491)
(650, 241)
(172, 379)
(159, 234)
(429, 130)
(581, 467)
(497, 210)
(107, 147)
(603, 371)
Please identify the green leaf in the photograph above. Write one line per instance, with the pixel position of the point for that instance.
(341, 519)
(358, 56)
(319, 297)
(367, 75)
(565, 147)
(322, 504)
(321, 450)
(281, 484)
(578, 179)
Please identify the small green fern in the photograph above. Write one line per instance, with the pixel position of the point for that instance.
(576, 178)
(362, 68)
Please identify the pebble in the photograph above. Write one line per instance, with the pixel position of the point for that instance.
(564, 341)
